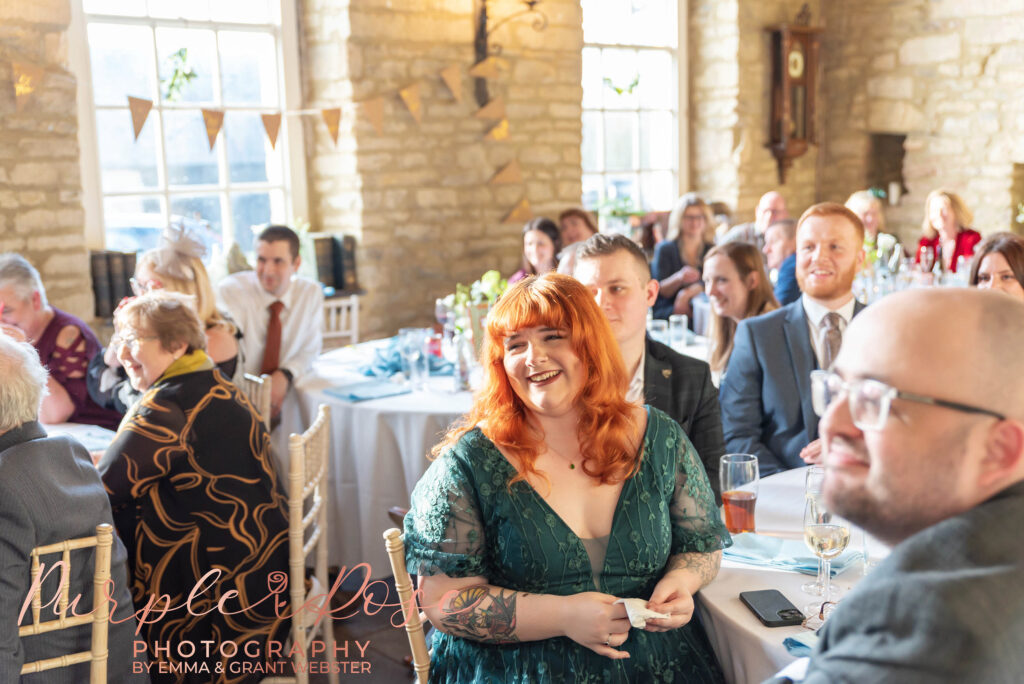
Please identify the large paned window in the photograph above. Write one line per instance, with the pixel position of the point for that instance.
(630, 104)
(224, 54)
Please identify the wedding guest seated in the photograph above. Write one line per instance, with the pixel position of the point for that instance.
(64, 343)
(577, 225)
(678, 261)
(945, 232)
(780, 256)
(770, 208)
(49, 493)
(193, 488)
(553, 498)
(999, 264)
(280, 314)
(869, 209)
(614, 269)
(738, 288)
(541, 242)
(925, 451)
(765, 394)
(176, 265)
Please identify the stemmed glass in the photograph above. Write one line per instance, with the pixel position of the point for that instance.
(827, 535)
(813, 481)
(445, 315)
(411, 342)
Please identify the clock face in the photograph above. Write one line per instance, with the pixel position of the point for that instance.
(795, 62)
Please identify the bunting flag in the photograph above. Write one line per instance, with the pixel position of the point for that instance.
(214, 119)
(375, 113)
(510, 173)
(495, 109)
(485, 69)
(139, 109)
(332, 117)
(411, 97)
(499, 132)
(27, 79)
(272, 125)
(521, 213)
(452, 77)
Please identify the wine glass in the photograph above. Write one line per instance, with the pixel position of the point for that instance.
(927, 258)
(827, 536)
(411, 342)
(814, 478)
(443, 312)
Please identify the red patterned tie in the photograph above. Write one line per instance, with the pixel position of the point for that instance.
(272, 350)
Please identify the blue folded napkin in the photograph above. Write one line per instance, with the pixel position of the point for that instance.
(369, 389)
(387, 360)
(785, 554)
(802, 644)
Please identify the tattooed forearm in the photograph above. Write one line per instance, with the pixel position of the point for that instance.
(482, 613)
(703, 565)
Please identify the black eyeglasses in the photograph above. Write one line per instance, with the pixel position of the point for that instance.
(870, 399)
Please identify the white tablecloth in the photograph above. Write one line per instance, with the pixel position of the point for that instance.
(92, 437)
(378, 450)
(747, 650)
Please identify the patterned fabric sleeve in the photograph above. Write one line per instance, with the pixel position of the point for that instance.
(696, 523)
(443, 530)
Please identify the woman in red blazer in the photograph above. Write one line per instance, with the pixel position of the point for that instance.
(945, 232)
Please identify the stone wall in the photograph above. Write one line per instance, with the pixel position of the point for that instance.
(41, 213)
(417, 196)
(948, 74)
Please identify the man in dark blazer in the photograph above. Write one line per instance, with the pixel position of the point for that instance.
(924, 448)
(765, 391)
(50, 492)
(616, 271)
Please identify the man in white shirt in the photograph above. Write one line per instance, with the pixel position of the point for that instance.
(279, 313)
(616, 271)
(766, 390)
(770, 208)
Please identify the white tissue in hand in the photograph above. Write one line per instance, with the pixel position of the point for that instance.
(639, 613)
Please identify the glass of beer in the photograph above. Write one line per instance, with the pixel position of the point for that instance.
(739, 476)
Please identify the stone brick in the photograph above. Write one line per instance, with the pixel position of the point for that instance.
(930, 49)
(34, 173)
(894, 87)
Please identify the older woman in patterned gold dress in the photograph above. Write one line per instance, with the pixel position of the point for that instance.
(193, 489)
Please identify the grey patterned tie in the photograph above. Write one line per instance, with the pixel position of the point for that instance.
(831, 338)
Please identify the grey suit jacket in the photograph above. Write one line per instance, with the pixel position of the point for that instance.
(681, 386)
(946, 606)
(766, 389)
(50, 492)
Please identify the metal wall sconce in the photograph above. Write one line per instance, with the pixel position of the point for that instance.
(483, 50)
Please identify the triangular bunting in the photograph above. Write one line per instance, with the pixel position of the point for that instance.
(521, 213)
(272, 125)
(375, 113)
(511, 173)
(495, 109)
(499, 132)
(27, 79)
(452, 77)
(332, 117)
(411, 97)
(214, 119)
(485, 69)
(140, 112)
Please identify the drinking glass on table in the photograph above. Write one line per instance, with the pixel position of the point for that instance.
(412, 343)
(678, 330)
(814, 478)
(827, 536)
(739, 477)
(658, 329)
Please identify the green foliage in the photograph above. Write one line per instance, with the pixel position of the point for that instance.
(619, 206)
(486, 290)
(181, 75)
(623, 90)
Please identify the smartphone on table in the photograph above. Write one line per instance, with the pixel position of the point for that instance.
(772, 608)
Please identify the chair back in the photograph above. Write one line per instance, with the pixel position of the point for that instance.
(307, 535)
(257, 388)
(341, 318)
(99, 618)
(414, 617)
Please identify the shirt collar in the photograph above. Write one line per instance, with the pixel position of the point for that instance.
(635, 392)
(25, 432)
(816, 312)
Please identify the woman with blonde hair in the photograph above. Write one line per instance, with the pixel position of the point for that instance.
(945, 231)
(679, 259)
(738, 287)
(553, 498)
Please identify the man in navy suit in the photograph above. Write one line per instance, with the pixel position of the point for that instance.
(766, 390)
(780, 256)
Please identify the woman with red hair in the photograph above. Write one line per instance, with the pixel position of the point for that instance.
(554, 498)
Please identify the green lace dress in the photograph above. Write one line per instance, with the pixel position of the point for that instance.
(465, 521)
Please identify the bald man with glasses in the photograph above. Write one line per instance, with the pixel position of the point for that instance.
(923, 442)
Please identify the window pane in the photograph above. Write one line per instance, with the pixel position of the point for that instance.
(133, 224)
(603, 21)
(196, 10)
(657, 87)
(620, 72)
(202, 214)
(658, 190)
(128, 8)
(657, 140)
(255, 210)
(652, 22)
(189, 158)
(592, 83)
(592, 186)
(623, 190)
(122, 63)
(242, 11)
(591, 147)
(248, 68)
(619, 137)
(250, 157)
(125, 163)
(200, 59)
